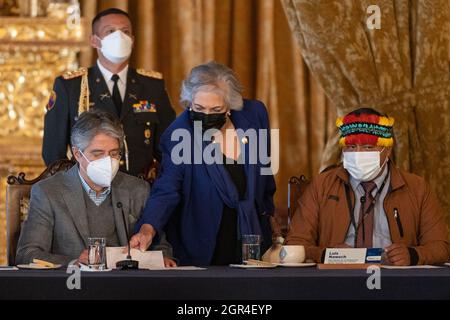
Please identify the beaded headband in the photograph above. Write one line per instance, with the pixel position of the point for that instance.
(365, 129)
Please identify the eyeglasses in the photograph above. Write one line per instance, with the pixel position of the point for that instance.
(97, 154)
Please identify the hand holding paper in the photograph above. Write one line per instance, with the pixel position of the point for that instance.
(143, 239)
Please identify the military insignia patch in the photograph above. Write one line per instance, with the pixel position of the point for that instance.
(51, 101)
(144, 106)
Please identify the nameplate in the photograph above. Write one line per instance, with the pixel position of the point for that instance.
(352, 255)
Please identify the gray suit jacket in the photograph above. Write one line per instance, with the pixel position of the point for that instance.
(57, 226)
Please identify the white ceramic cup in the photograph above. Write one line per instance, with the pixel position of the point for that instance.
(292, 254)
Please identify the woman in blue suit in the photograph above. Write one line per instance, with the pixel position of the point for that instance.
(212, 189)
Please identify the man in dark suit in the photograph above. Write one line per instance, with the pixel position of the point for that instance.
(137, 97)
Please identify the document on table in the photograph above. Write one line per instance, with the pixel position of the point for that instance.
(411, 267)
(8, 268)
(180, 268)
(147, 259)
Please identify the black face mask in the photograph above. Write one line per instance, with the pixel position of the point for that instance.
(209, 121)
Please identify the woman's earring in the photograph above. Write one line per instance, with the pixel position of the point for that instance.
(228, 113)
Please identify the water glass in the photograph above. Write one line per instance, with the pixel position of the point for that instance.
(97, 253)
(251, 244)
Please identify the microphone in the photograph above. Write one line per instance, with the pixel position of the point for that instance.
(128, 263)
(363, 199)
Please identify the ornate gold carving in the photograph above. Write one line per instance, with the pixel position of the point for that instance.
(60, 165)
(24, 208)
(31, 32)
(33, 51)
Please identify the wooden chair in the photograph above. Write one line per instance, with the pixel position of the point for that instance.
(151, 173)
(296, 187)
(17, 203)
(281, 222)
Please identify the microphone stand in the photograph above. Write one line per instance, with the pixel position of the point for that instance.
(127, 264)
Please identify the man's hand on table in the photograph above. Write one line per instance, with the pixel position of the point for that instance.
(83, 257)
(398, 254)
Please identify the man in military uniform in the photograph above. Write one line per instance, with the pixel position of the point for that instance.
(137, 97)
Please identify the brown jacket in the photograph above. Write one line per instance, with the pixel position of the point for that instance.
(322, 218)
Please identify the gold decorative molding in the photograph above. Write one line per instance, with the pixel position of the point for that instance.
(33, 52)
(18, 32)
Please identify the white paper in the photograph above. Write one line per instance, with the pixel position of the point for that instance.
(86, 268)
(411, 267)
(253, 266)
(8, 268)
(187, 268)
(345, 255)
(147, 259)
(181, 268)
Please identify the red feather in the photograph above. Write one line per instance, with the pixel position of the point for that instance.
(369, 118)
(361, 139)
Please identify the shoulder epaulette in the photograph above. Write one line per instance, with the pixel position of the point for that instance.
(151, 74)
(75, 73)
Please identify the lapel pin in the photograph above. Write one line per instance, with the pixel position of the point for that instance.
(97, 80)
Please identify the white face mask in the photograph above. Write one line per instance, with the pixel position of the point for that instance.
(116, 47)
(363, 166)
(102, 171)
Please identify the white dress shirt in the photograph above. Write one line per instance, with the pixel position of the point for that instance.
(121, 83)
(98, 199)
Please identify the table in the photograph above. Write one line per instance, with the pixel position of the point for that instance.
(227, 283)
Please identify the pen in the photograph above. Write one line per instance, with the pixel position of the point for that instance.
(399, 222)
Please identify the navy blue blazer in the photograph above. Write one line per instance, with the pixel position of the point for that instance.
(185, 201)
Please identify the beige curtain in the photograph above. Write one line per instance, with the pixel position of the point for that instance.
(401, 69)
(253, 38)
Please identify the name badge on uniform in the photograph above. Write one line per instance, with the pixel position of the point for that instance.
(144, 106)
